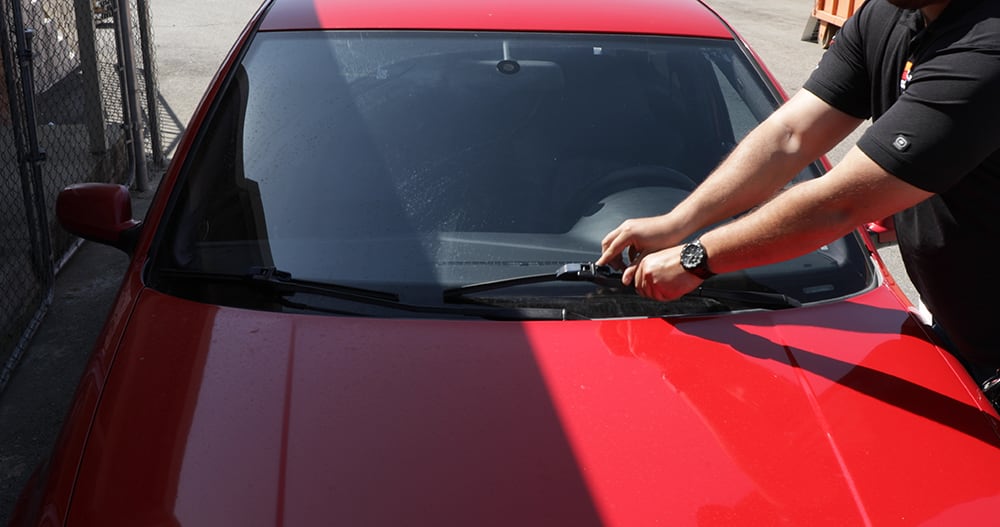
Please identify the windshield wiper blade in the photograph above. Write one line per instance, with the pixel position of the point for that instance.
(282, 282)
(602, 275)
(748, 297)
(607, 276)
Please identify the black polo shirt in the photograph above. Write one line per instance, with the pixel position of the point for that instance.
(933, 94)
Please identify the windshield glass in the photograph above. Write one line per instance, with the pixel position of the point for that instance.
(414, 162)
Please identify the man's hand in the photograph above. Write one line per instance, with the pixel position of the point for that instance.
(640, 236)
(660, 276)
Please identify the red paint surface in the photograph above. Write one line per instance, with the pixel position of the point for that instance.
(802, 416)
(668, 17)
(840, 414)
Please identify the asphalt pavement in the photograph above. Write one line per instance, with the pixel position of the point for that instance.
(192, 38)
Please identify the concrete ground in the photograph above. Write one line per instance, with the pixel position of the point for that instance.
(192, 37)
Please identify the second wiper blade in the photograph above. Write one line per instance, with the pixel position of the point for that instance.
(283, 282)
(602, 275)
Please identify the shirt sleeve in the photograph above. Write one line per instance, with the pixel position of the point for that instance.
(841, 79)
(945, 124)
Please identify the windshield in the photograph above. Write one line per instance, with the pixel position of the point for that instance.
(415, 162)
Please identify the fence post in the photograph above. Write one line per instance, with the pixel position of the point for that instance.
(152, 92)
(35, 154)
(137, 159)
(17, 56)
(11, 60)
(93, 109)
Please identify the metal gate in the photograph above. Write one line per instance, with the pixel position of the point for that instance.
(78, 102)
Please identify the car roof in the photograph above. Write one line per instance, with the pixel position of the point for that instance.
(663, 17)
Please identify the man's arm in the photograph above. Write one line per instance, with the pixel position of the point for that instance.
(799, 132)
(796, 222)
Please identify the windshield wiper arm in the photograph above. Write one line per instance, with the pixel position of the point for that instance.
(602, 275)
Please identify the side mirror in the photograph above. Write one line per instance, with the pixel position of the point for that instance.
(882, 232)
(100, 212)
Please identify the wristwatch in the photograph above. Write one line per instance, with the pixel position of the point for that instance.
(694, 260)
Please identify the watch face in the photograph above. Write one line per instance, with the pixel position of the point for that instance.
(694, 259)
(692, 255)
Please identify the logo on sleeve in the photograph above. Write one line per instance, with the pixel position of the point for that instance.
(901, 143)
(906, 77)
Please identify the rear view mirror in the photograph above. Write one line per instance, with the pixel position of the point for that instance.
(99, 212)
(498, 76)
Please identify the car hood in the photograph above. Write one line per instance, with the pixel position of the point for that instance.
(838, 414)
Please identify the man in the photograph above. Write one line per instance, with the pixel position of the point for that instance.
(928, 73)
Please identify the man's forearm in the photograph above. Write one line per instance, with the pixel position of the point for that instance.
(798, 133)
(811, 214)
(791, 225)
(763, 163)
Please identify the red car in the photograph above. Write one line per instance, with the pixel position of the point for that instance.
(364, 296)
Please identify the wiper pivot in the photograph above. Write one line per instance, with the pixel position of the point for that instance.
(268, 273)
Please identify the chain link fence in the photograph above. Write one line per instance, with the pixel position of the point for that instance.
(67, 102)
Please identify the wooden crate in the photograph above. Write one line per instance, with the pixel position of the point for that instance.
(831, 15)
(835, 11)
